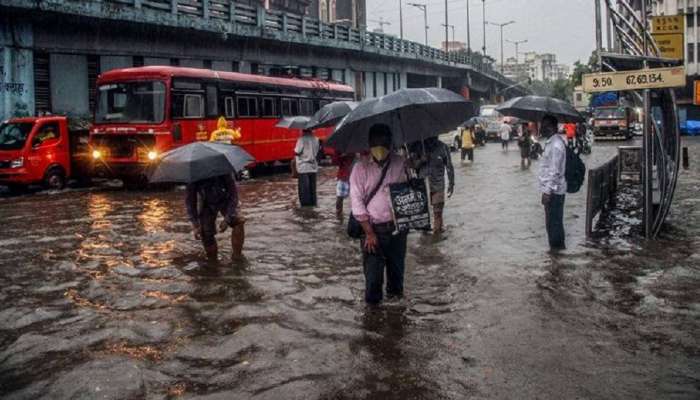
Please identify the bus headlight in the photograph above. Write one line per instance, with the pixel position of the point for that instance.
(96, 154)
(152, 155)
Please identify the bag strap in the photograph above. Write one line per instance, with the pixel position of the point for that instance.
(381, 180)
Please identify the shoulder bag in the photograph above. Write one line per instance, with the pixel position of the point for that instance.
(355, 230)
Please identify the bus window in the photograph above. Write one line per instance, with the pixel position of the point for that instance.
(247, 107)
(228, 104)
(188, 105)
(268, 107)
(306, 107)
(212, 104)
(290, 107)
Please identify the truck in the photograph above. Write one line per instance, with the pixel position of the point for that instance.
(493, 120)
(43, 150)
(613, 122)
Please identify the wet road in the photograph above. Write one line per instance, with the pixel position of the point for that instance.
(103, 295)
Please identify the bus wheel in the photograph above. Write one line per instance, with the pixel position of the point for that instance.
(55, 179)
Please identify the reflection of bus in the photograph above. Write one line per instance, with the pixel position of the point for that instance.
(143, 112)
(613, 122)
(493, 120)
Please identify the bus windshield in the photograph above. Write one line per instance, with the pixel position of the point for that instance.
(14, 135)
(609, 113)
(131, 102)
(489, 112)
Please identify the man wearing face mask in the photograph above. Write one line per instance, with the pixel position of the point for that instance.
(380, 248)
(552, 182)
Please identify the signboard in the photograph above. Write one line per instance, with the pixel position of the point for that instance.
(668, 24)
(630, 159)
(696, 93)
(670, 45)
(635, 80)
(410, 204)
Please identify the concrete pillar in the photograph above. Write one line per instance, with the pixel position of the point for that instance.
(439, 81)
(16, 68)
(190, 63)
(380, 84)
(222, 66)
(403, 80)
(244, 67)
(69, 85)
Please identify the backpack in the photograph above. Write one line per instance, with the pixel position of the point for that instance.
(213, 192)
(575, 172)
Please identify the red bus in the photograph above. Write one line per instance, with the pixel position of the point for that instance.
(145, 111)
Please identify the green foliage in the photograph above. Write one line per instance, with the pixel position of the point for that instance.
(562, 89)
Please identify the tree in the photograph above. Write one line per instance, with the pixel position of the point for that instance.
(580, 69)
(562, 89)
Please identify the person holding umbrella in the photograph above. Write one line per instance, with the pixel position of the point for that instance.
(383, 124)
(382, 248)
(207, 168)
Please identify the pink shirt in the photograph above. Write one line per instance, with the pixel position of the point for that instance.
(364, 177)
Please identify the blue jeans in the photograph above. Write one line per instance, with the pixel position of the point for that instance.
(391, 254)
(554, 218)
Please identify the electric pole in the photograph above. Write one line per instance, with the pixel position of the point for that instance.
(424, 8)
(501, 26)
(447, 31)
(516, 43)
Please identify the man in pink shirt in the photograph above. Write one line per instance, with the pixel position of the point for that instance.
(381, 248)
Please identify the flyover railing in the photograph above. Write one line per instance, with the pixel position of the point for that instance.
(231, 13)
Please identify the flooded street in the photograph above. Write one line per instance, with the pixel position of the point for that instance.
(103, 294)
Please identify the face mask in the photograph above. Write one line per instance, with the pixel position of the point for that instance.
(380, 153)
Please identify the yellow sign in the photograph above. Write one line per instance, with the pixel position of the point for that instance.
(668, 24)
(670, 45)
(696, 93)
(634, 80)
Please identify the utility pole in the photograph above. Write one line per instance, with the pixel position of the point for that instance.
(483, 13)
(424, 8)
(501, 26)
(447, 32)
(516, 43)
(469, 40)
(453, 34)
(401, 19)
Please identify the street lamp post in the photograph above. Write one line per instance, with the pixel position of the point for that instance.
(483, 13)
(469, 41)
(447, 32)
(424, 8)
(501, 26)
(516, 43)
(401, 19)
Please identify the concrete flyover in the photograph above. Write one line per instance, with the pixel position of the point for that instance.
(52, 50)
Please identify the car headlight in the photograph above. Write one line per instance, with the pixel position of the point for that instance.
(152, 155)
(17, 163)
(96, 154)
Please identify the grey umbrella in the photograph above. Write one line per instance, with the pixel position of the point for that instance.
(472, 122)
(534, 108)
(331, 114)
(412, 115)
(298, 122)
(200, 160)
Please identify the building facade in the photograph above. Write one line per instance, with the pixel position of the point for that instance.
(690, 9)
(347, 12)
(539, 67)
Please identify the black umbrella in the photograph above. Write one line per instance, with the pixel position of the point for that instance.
(331, 114)
(412, 115)
(472, 122)
(200, 160)
(298, 122)
(534, 108)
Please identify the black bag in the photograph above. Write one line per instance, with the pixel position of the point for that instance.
(575, 172)
(213, 192)
(355, 230)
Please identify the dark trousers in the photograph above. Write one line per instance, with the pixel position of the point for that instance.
(207, 225)
(469, 153)
(391, 255)
(307, 189)
(554, 218)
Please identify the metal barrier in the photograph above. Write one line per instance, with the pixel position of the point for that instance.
(602, 186)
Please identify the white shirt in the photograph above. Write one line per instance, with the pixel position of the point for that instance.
(505, 132)
(307, 149)
(551, 178)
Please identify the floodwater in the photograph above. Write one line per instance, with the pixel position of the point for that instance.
(103, 294)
